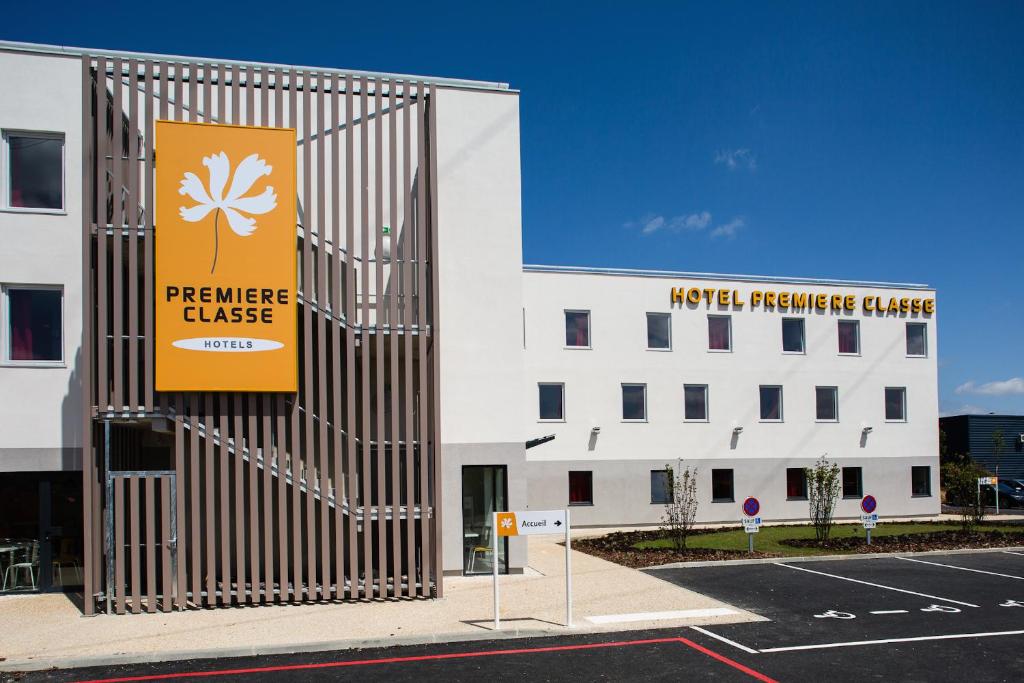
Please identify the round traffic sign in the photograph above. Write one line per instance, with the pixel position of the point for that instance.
(868, 504)
(751, 506)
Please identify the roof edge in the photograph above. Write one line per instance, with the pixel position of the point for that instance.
(70, 51)
(628, 272)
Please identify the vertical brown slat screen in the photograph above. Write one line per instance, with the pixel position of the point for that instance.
(328, 493)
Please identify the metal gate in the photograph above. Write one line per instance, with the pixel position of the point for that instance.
(141, 541)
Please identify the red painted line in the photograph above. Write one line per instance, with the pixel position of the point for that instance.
(390, 660)
(725, 660)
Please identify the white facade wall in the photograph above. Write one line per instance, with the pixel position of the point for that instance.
(623, 453)
(40, 407)
(480, 303)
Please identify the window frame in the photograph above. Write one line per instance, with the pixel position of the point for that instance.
(732, 485)
(835, 403)
(568, 493)
(803, 472)
(707, 403)
(928, 481)
(856, 336)
(561, 385)
(782, 412)
(5, 328)
(667, 488)
(728, 319)
(590, 329)
(622, 387)
(647, 321)
(5, 170)
(803, 336)
(860, 483)
(885, 405)
(924, 329)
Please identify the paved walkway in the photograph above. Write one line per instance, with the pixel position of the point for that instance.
(44, 631)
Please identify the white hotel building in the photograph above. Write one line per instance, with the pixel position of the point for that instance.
(531, 387)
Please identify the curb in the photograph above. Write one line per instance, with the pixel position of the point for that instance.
(826, 558)
(511, 633)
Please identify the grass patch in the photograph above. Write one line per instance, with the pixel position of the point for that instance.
(769, 539)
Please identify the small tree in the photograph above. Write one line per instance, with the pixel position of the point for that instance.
(998, 444)
(822, 491)
(960, 479)
(681, 510)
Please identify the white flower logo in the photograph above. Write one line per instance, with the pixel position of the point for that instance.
(251, 168)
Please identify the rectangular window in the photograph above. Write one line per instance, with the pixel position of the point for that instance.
(896, 404)
(581, 488)
(826, 404)
(552, 401)
(921, 480)
(852, 487)
(917, 339)
(35, 171)
(33, 328)
(695, 402)
(721, 486)
(771, 403)
(634, 402)
(793, 335)
(719, 333)
(661, 487)
(796, 483)
(849, 337)
(577, 329)
(659, 331)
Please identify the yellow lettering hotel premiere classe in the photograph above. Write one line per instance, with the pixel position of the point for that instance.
(801, 301)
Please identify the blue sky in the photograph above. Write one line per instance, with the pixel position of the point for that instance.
(874, 141)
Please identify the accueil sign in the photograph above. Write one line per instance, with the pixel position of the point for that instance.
(225, 263)
(801, 301)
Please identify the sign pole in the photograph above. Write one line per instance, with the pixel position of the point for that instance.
(568, 572)
(750, 542)
(868, 530)
(494, 567)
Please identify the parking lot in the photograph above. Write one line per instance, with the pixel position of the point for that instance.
(930, 617)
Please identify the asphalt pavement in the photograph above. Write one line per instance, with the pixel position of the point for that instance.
(950, 617)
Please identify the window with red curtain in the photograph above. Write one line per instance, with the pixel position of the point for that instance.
(849, 336)
(581, 488)
(34, 317)
(577, 328)
(796, 483)
(718, 333)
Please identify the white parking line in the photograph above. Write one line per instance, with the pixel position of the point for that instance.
(725, 640)
(876, 585)
(963, 569)
(659, 616)
(1010, 552)
(890, 611)
(855, 643)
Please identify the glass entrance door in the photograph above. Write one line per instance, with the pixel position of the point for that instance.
(40, 531)
(484, 492)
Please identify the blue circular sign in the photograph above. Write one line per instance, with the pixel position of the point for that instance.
(868, 504)
(751, 506)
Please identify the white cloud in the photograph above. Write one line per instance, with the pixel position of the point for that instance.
(691, 221)
(734, 159)
(1014, 385)
(699, 221)
(653, 225)
(728, 230)
(964, 409)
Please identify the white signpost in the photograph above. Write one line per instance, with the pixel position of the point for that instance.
(528, 523)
